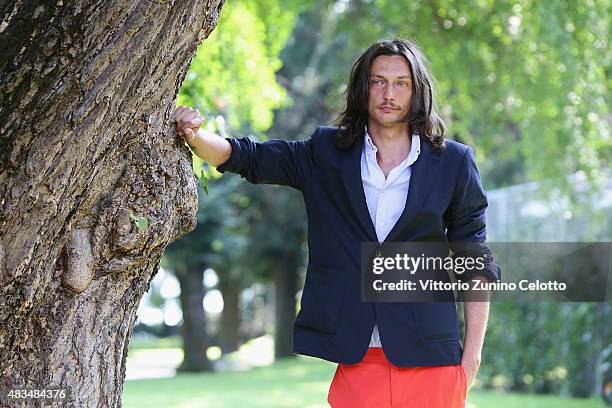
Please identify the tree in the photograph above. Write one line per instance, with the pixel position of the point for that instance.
(94, 182)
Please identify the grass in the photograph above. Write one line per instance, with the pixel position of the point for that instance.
(155, 343)
(302, 382)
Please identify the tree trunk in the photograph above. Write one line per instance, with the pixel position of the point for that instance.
(87, 143)
(193, 329)
(285, 283)
(230, 316)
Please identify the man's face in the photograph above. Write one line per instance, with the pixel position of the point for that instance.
(390, 90)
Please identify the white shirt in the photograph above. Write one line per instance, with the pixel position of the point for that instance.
(386, 197)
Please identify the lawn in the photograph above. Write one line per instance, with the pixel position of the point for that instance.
(301, 382)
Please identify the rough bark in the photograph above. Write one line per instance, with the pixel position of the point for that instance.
(193, 329)
(86, 139)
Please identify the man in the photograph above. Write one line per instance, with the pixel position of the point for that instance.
(385, 174)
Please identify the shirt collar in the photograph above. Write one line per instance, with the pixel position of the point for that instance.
(369, 144)
(415, 147)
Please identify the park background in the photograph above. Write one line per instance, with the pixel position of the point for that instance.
(95, 184)
(525, 83)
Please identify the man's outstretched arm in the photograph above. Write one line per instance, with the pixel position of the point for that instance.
(276, 161)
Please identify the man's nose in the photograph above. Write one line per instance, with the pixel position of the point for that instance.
(388, 93)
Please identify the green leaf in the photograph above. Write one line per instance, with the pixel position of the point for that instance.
(140, 222)
(203, 182)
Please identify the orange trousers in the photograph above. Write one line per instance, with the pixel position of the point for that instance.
(375, 382)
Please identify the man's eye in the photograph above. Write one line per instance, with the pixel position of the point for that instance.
(376, 82)
(402, 83)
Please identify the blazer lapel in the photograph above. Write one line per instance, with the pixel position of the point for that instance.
(350, 170)
(423, 173)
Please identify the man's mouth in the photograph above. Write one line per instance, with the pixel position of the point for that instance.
(387, 108)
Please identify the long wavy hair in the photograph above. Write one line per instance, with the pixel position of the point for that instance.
(422, 116)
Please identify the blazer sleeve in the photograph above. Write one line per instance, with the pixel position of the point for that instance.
(276, 161)
(465, 221)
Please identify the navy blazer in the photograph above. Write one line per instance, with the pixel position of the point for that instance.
(445, 203)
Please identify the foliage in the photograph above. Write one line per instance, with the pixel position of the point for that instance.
(525, 82)
(233, 72)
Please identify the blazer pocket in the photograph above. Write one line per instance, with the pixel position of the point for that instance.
(321, 299)
(436, 321)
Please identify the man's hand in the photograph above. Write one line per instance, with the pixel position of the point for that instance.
(470, 363)
(208, 146)
(188, 122)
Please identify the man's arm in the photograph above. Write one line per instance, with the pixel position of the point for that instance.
(476, 315)
(211, 147)
(465, 222)
(274, 161)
